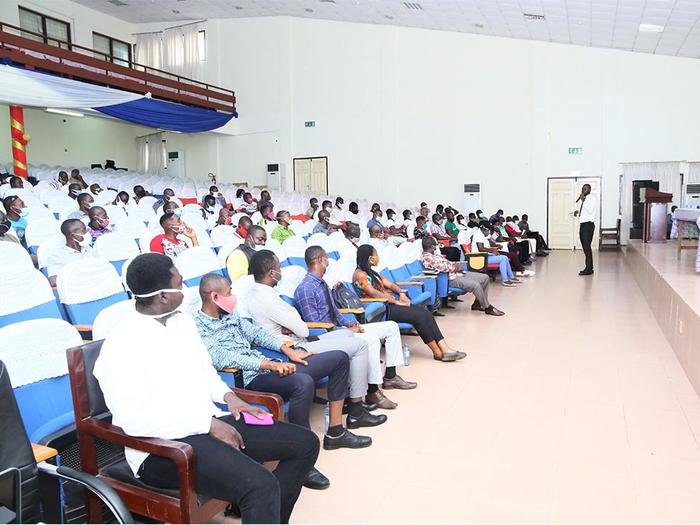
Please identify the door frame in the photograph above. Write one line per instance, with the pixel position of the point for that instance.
(294, 171)
(600, 198)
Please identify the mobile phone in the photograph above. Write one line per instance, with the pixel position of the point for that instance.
(250, 419)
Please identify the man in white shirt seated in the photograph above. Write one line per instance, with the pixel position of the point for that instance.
(158, 381)
(77, 246)
(85, 202)
(338, 214)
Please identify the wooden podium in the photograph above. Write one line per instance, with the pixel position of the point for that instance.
(655, 210)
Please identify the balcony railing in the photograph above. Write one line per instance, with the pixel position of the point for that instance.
(90, 65)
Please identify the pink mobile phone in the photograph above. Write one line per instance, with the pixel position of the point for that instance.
(250, 419)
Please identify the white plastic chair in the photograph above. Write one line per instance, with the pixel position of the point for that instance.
(14, 257)
(28, 295)
(39, 213)
(147, 202)
(225, 251)
(116, 248)
(47, 247)
(110, 317)
(39, 231)
(196, 262)
(130, 226)
(222, 235)
(291, 277)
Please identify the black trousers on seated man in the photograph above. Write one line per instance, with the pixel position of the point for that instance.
(586, 231)
(237, 475)
(299, 387)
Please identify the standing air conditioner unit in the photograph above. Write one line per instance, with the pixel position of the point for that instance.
(692, 196)
(472, 198)
(176, 164)
(276, 177)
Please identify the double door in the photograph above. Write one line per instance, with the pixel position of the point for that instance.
(562, 222)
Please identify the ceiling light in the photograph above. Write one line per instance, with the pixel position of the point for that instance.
(308, 10)
(413, 5)
(67, 112)
(650, 28)
(532, 16)
(176, 11)
(238, 7)
(479, 26)
(388, 17)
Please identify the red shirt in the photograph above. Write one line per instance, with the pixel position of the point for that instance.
(170, 247)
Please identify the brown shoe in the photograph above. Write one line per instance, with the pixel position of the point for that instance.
(381, 400)
(398, 383)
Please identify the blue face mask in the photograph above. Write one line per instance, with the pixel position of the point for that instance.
(23, 212)
(178, 212)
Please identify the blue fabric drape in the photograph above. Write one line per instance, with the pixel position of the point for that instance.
(168, 116)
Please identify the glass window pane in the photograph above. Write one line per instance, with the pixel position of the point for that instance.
(202, 45)
(30, 22)
(57, 30)
(100, 43)
(121, 51)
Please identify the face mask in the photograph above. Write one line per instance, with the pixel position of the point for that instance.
(83, 240)
(103, 222)
(23, 212)
(277, 279)
(166, 198)
(259, 247)
(228, 221)
(226, 303)
(249, 201)
(74, 192)
(243, 232)
(177, 212)
(340, 206)
(270, 216)
(374, 261)
(153, 294)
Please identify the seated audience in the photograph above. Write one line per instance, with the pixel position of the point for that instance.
(515, 231)
(77, 246)
(180, 405)
(220, 199)
(17, 214)
(265, 200)
(324, 225)
(5, 226)
(238, 201)
(249, 205)
(282, 232)
(210, 210)
(472, 223)
(438, 231)
(273, 314)
(121, 200)
(315, 304)
(481, 215)
(392, 227)
(168, 243)
(407, 219)
(16, 182)
(95, 189)
(353, 214)
(74, 190)
(168, 195)
(440, 210)
(496, 216)
(241, 231)
(98, 223)
(472, 282)
(377, 236)
(172, 207)
(77, 178)
(85, 201)
(481, 243)
(313, 207)
(338, 214)
(450, 225)
(139, 193)
(224, 218)
(376, 219)
(266, 215)
(60, 181)
(517, 251)
(421, 229)
(525, 226)
(238, 261)
(230, 341)
(369, 283)
(352, 233)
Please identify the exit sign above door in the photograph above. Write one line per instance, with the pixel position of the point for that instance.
(576, 151)
(310, 124)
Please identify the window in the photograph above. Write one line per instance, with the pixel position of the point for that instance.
(202, 45)
(49, 30)
(117, 51)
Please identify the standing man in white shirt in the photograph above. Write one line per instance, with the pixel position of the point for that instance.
(587, 226)
(180, 405)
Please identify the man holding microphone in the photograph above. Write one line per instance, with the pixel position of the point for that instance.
(586, 214)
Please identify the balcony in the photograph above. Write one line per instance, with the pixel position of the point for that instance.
(96, 67)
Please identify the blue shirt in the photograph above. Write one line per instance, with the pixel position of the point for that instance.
(315, 304)
(372, 222)
(320, 228)
(228, 341)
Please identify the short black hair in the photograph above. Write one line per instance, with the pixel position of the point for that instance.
(93, 211)
(212, 188)
(323, 204)
(436, 216)
(264, 207)
(165, 217)
(312, 253)
(420, 218)
(209, 283)
(82, 197)
(7, 202)
(427, 242)
(245, 222)
(406, 213)
(168, 189)
(68, 226)
(254, 229)
(147, 273)
(15, 179)
(261, 262)
(209, 199)
(239, 192)
(323, 215)
(312, 199)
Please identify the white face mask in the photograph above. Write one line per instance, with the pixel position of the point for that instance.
(153, 294)
(259, 247)
(83, 240)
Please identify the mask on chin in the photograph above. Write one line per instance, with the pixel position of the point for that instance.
(226, 303)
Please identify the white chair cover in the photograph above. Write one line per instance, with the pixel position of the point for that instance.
(237, 217)
(196, 261)
(195, 221)
(322, 240)
(109, 317)
(407, 252)
(291, 277)
(58, 204)
(295, 246)
(14, 257)
(116, 214)
(105, 197)
(35, 350)
(22, 289)
(47, 247)
(299, 228)
(115, 246)
(39, 231)
(87, 280)
(147, 237)
(241, 289)
(222, 235)
(226, 250)
(131, 226)
(39, 213)
(147, 202)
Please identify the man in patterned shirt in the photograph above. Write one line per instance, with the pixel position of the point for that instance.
(229, 340)
(473, 282)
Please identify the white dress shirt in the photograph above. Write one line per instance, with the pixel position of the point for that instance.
(478, 237)
(158, 381)
(269, 311)
(588, 209)
(64, 255)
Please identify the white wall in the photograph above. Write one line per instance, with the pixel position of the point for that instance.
(77, 141)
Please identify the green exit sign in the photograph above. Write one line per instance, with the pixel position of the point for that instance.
(575, 151)
(310, 124)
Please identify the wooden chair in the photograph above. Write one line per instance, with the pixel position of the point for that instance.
(170, 506)
(610, 234)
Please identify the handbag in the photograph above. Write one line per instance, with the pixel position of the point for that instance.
(344, 298)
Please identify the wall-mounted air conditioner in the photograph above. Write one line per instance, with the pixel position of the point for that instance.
(472, 198)
(176, 164)
(692, 196)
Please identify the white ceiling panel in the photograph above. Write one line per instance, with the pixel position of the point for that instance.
(600, 23)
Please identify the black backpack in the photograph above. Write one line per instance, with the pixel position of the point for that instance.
(344, 298)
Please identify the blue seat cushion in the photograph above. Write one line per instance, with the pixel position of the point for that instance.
(46, 406)
(48, 310)
(85, 313)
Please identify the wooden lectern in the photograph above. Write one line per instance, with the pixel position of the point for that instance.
(655, 210)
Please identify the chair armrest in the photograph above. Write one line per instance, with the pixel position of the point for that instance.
(83, 327)
(42, 453)
(273, 402)
(230, 370)
(373, 300)
(357, 311)
(423, 276)
(327, 326)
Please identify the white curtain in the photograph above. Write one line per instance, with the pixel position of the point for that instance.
(142, 154)
(181, 51)
(149, 50)
(693, 173)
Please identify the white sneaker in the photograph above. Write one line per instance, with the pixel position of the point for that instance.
(528, 273)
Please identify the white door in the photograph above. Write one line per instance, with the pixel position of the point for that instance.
(563, 226)
(311, 175)
(560, 227)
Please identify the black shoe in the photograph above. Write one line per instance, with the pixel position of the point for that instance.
(316, 481)
(366, 420)
(346, 440)
(455, 299)
(437, 313)
(477, 306)
(369, 407)
(494, 311)
(586, 272)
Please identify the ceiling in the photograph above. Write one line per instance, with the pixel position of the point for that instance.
(598, 23)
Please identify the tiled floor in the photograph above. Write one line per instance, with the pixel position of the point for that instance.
(572, 408)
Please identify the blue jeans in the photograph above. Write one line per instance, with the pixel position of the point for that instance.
(503, 266)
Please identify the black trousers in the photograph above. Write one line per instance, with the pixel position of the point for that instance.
(522, 248)
(585, 232)
(541, 244)
(514, 258)
(299, 388)
(419, 317)
(237, 475)
(451, 252)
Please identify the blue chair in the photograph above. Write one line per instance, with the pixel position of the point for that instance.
(194, 263)
(402, 277)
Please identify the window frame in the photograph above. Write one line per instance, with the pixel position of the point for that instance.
(111, 57)
(44, 31)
